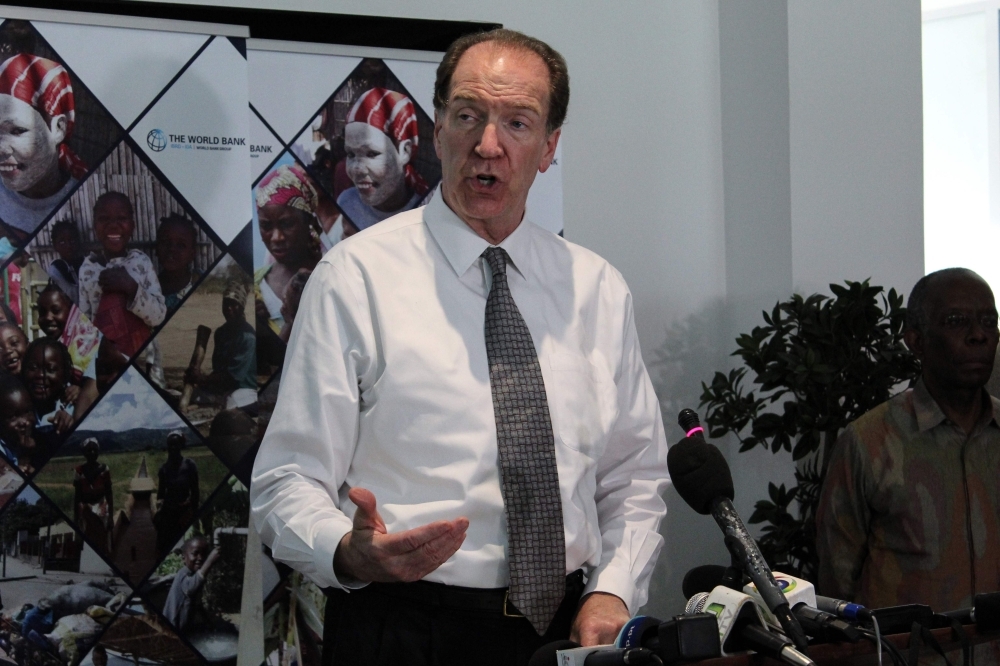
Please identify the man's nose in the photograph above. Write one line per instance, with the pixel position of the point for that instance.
(489, 143)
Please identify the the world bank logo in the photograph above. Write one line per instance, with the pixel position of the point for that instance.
(156, 140)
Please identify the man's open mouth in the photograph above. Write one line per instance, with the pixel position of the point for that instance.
(486, 180)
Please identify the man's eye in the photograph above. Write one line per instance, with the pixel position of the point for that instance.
(988, 321)
(956, 321)
(372, 154)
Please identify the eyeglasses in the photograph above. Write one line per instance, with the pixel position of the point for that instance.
(959, 322)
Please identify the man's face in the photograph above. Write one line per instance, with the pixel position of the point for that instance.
(44, 374)
(959, 343)
(66, 244)
(174, 445)
(113, 226)
(375, 166)
(491, 137)
(29, 146)
(232, 310)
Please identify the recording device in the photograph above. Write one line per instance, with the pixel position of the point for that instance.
(741, 626)
(900, 619)
(683, 638)
(823, 627)
(985, 612)
(702, 478)
(568, 653)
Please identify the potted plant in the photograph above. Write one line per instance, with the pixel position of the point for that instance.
(817, 364)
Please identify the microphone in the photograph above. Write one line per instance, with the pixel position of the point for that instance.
(706, 577)
(741, 626)
(622, 657)
(985, 612)
(825, 627)
(570, 653)
(702, 477)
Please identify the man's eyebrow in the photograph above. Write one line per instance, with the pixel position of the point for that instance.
(520, 106)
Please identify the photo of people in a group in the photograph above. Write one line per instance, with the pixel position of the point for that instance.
(371, 150)
(133, 477)
(208, 351)
(140, 635)
(52, 131)
(126, 252)
(199, 586)
(58, 595)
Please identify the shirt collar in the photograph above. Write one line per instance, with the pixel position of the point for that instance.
(462, 246)
(929, 413)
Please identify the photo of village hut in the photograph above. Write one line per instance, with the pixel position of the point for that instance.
(293, 623)
(208, 351)
(199, 586)
(139, 635)
(132, 477)
(58, 594)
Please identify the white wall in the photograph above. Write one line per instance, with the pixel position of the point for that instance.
(720, 154)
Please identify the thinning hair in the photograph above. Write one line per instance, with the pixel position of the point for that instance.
(917, 315)
(556, 64)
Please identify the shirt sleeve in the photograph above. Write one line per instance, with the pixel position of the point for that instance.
(631, 479)
(307, 451)
(843, 518)
(148, 303)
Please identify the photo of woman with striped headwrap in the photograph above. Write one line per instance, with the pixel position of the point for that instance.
(380, 139)
(37, 115)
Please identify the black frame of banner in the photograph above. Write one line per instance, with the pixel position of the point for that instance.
(295, 26)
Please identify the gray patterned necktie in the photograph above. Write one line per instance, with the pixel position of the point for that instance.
(529, 480)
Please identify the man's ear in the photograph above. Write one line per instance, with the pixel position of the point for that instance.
(58, 128)
(914, 340)
(438, 121)
(550, 150)
(406, 151)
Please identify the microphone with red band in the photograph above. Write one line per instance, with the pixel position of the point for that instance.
(702, 478)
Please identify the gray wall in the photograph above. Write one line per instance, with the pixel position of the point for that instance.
(722, 154)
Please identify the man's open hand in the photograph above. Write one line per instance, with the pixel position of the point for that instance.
(599, 619)
(368, 553)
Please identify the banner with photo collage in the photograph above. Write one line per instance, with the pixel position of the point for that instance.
(341, 139)
(128, 380)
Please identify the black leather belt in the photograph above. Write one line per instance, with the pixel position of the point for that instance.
(488, 600)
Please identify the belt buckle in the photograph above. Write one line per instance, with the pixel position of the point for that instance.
(506, 594)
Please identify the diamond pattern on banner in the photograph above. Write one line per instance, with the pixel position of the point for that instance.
(63, 594)
(38, 84)
(302, 81)
(125, 68)
(122, 480)
(206, 610)
(179, 134)
(140, 635)
(208, 352)
(370, 148)
(165, 248)
(418, 78)
(264, 146)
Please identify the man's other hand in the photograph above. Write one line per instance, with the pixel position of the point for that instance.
(369, 554)
(599, 619)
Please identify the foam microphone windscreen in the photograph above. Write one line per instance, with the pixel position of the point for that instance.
(700, 473)
(546, 655)
(702, 579)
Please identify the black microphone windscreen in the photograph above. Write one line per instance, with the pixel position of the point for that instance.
(546, 655)
(700, 473)
(705, 578)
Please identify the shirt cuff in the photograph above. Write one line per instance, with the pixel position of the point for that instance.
(328, 536)
(613, 581)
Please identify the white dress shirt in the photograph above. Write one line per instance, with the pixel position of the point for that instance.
(386, 386)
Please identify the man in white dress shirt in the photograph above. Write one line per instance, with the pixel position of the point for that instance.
(379, 474)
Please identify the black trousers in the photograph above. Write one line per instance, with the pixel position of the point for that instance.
(429, 624)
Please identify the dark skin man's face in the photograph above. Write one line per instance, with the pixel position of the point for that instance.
(959, 343)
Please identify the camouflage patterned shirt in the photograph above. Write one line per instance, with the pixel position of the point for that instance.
(910, 510)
